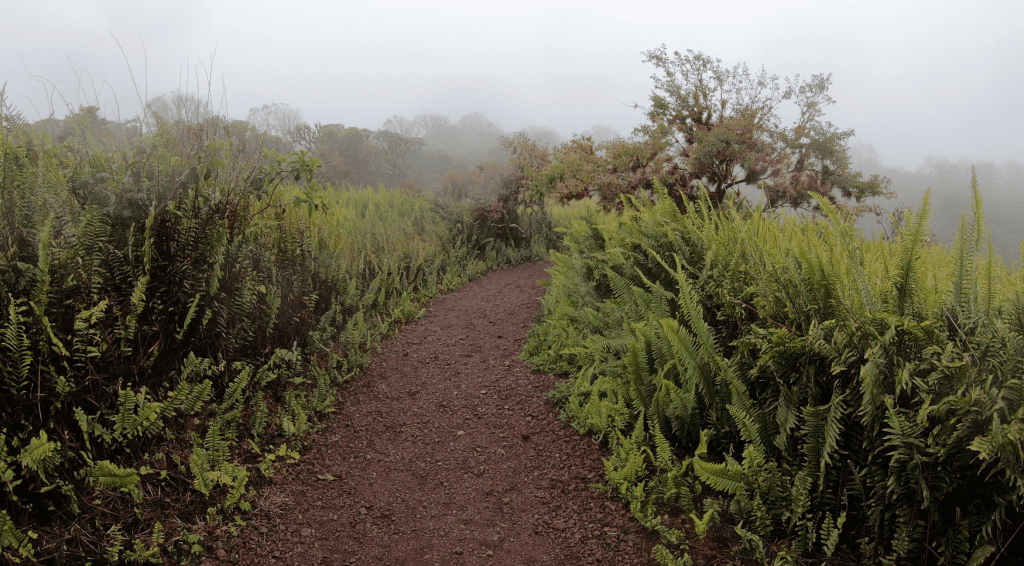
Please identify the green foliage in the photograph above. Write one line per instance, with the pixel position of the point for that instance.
(174, 304)
(848, 397)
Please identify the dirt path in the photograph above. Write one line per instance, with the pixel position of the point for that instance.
(446, 452)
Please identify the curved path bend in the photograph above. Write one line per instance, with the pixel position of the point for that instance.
(445, 451)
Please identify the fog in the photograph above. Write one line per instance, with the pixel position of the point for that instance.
(1001, 185)
(930, 87)
(915, 80)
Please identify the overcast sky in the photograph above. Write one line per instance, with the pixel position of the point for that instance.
(915, 79)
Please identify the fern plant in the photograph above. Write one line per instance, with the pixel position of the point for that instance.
(851, 396)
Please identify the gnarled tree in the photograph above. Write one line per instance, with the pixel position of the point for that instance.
(718, 129)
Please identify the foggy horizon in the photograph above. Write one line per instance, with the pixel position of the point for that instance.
(915, 80)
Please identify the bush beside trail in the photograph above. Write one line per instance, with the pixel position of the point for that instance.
(781, 389)
(176, 312)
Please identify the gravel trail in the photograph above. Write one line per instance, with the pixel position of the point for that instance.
(445, 451)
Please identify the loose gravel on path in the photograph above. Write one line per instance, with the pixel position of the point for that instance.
(445, 451)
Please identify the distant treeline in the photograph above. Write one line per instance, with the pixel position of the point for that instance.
(463, 159)
(432, 153)
(1002, 190)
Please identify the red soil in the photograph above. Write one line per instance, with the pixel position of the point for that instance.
(445, 451)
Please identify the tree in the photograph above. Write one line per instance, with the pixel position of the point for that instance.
(717, 129)
(482, 183)
(582, 168)
(476, 139)
(532, 160)
(87, 127)
(403, 126)
(394, 151)
(356, 155)
(477, 127)
(601, 133)
(184, 107)
(434, 128)
(543, 135)
(276, 119)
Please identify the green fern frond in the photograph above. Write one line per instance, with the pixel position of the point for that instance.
(830, 531)
(727, 477)
(14, 544)
(964, 256)
(16, 343)
(662, 449)
(787, 416)
(701, 525)
(694, 372)
(204, 478)
(112, 476)
(215, 445)
(196, 397)
(906, 279)
(41, 293)
(980, 554)
(641, 387)
(978, 211)
(148, 418)
(41, 455)
(814, 436)
(137, 303)
(665, 557)
(192, 308)
(126, 409)
(627, 466)
(834, 426)
(235, 389)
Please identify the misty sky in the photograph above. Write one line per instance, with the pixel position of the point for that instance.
(915, 79)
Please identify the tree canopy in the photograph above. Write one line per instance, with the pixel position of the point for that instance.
(718, 129)
(276, 119)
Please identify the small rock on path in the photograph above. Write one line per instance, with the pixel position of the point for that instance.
(445, 451)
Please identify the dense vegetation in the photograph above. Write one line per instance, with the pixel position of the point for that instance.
(786, 387)
(177, 308)
(181, 294)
